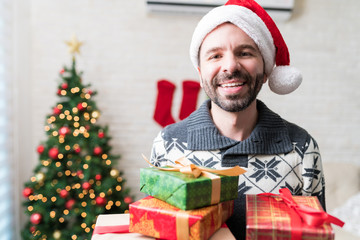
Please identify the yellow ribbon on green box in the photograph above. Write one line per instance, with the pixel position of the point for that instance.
(196, 171)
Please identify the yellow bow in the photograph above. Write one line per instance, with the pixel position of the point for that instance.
(195, 170)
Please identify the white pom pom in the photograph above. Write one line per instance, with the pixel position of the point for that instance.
(284, 79)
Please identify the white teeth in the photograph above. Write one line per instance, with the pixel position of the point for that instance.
(232, 84)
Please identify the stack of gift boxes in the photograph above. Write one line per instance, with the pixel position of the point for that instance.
(195, 203)
(181, 205)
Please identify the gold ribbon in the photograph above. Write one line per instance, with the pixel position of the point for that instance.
(215, 186)
(195, 170)
(182, 225)
(182, 220)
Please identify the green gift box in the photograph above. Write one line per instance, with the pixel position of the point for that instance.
(184, 191)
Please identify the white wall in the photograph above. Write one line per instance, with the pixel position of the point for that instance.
(126, 51)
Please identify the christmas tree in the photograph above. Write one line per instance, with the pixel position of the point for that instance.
(75, 179)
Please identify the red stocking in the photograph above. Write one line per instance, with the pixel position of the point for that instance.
(162, 114)
(190, 96)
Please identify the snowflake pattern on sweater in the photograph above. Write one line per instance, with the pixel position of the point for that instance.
(301, 172)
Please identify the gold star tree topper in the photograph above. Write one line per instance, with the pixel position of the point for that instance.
(74, 45)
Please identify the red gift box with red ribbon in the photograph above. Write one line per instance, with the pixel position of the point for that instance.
(283, 216)
(156, 218)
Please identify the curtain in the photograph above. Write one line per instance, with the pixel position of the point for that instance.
(6, 193)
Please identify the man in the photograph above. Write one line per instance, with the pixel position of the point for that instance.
(236, 48)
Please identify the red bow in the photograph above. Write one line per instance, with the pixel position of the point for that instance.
(300, 214)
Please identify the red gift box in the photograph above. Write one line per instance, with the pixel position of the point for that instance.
(156, 218)
(270, 216)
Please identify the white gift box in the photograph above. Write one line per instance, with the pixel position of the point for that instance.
(118, 225)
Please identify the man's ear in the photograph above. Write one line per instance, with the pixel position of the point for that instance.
(200, 79)
(265, 78)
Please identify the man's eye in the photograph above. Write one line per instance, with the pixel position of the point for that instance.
(215, 56)
(245, 54)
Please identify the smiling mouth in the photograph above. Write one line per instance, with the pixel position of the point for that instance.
(231, 85)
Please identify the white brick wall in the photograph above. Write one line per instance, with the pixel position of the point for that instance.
(126, 51)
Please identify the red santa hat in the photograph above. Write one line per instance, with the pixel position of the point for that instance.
(259, 26)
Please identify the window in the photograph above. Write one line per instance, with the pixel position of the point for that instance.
(6, 193)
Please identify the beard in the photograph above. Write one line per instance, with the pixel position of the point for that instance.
(234, 102)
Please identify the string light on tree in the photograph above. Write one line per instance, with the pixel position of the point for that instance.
(40, 177)
(114, 173)
(57, 234)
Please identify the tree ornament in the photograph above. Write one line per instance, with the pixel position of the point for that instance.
(57, 234)
(56, 111)
(69, 204)
(79, 172)
(64, 193)
(62, 71)
(80, 107)
(114, 173)
(27, 192)
(77, 149)
(53, 153)
(101, 201)
(32, 229)
(40, 149)
(64, 86)
(101, 134)
(40, 177)
(64, 131)
(74, 45)
(58, 92)
(98, 150)
(35, 218)
(128, 200)
(86, 185)
(98, 177)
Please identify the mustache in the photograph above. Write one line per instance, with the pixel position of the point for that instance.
(238, 74)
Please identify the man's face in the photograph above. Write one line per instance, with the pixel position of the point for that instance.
(231, 68)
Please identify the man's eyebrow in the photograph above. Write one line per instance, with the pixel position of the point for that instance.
(211, 50)
(247, 46)
(242, 46)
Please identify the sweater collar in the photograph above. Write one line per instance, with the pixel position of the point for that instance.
(270, 135)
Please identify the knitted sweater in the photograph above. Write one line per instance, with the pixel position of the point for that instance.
(277, 154)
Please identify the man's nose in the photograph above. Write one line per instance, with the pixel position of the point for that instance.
(230, 64)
